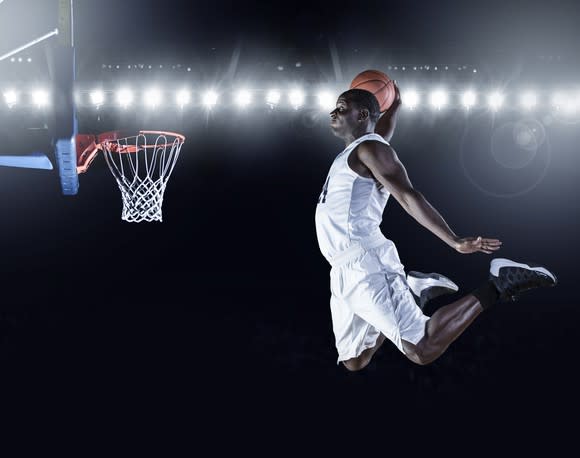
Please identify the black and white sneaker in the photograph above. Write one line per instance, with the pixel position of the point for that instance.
(426, 287)
(513, 278)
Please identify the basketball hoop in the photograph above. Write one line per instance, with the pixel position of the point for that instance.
(142, 165)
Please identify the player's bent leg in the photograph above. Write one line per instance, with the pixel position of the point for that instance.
(444, 326)
(363, 360)
(507, 280)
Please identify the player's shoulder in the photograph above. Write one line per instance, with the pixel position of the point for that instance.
(375, 141)
(374, 147)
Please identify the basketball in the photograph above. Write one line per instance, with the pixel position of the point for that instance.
(379, 84)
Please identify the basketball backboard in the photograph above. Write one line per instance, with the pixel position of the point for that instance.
(61, 62)
(23, 25)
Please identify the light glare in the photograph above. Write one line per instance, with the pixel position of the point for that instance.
(210, 99)
(40, 98)
(296, 98)
(439, 99)
(153, 97)
(97, 97)
(11, 98)
(529, 100)
(468, 99)
(125, 97)
(410, 98)
(326, 100)
(273, 97)
(183, 97)
(243, 98)
(495, 100)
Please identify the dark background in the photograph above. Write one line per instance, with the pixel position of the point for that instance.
(224, 305)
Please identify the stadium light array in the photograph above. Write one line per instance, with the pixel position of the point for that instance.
(564, 101)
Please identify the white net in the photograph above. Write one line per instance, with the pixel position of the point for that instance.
(142, 166)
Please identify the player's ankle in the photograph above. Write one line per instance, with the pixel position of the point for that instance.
(487, 294)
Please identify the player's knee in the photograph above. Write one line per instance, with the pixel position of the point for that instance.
(418, 354)
(356, 364)
(419, 358)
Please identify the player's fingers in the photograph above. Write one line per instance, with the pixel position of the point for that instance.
(490, 244)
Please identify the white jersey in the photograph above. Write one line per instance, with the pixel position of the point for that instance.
(350, 207)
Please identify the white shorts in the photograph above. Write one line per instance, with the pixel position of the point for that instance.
(370, 296)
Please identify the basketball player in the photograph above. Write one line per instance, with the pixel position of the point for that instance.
(371, 300)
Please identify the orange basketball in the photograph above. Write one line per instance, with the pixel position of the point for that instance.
(379, 84)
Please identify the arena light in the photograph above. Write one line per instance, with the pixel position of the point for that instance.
(210, 99)
(326, 100)
(528, 100)
(296, 98)
(125, 97)
(40, 98)
(97, 97)
(564, 102)
(183, 97)
(495, 100)
(410, 99)
(11, 98)
(557, 99)
(273, 97)
(243, 98)
(468, 99)
(152, 97)
(570, 105)
(439, 98)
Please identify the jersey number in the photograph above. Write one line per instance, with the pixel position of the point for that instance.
(322, 198)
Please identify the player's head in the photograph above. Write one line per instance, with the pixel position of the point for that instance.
(356, 111)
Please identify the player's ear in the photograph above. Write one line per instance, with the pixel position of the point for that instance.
(363, 114)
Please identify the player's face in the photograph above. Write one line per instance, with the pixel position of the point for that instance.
(343, 117)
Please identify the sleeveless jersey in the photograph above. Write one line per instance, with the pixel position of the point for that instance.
(350, 207)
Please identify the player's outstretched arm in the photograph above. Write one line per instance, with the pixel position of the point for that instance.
(383, 163)
(386, 124)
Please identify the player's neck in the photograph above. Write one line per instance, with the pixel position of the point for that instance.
(354, 135)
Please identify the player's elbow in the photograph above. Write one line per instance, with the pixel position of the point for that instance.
(409, 199)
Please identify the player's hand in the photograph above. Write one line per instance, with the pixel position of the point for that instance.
(397, 101)
(468, 245)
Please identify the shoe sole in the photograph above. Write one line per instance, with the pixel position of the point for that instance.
(498, 263)
(431, 280)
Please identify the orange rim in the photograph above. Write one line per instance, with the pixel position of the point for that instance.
(110, 140)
